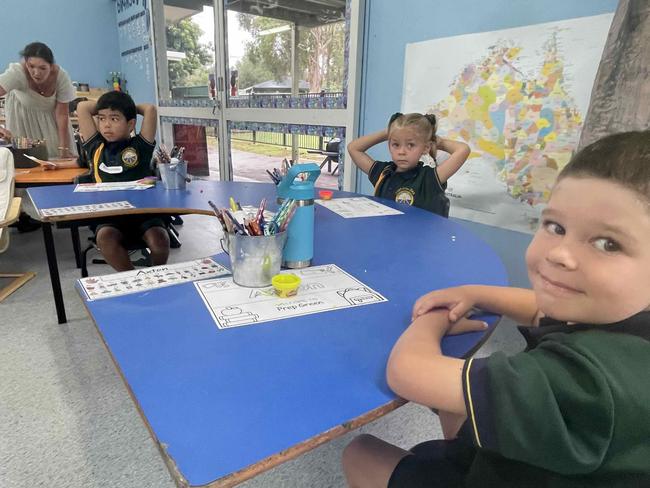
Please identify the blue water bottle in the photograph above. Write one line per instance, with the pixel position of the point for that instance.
(299, 250)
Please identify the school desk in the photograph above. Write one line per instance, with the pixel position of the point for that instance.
(37, 176)
(225, 405)
(154, 200)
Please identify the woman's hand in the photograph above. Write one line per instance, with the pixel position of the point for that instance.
(458, 300)
(5, 134)
(51, 165)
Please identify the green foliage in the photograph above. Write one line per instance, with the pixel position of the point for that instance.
(184, 37)
(268, 57)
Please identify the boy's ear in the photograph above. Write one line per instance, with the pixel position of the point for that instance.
(131, 125)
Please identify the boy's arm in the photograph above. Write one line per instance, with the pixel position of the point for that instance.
(418, 371)
(85, 112)
(459, 152)
(517, 303)
(358, 147)
(149, 121)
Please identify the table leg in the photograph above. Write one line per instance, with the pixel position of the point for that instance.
(54, 272)
(76, 245)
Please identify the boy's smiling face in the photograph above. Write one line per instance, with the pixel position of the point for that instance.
(589, 261)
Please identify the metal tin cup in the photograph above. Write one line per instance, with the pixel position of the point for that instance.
(254, 260)
(173, 174)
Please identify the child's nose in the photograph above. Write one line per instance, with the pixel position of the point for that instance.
(562, 255)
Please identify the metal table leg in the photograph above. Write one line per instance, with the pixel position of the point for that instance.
(76, 245)
(54, 272)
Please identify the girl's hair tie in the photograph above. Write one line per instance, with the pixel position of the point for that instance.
(432, 119)
(394, 117)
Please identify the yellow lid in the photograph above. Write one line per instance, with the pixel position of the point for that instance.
(286, 284)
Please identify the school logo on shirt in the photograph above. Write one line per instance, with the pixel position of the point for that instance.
(130, 157)
(405, 195)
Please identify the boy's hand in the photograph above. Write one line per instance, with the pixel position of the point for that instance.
(457, 300)
(466, 325)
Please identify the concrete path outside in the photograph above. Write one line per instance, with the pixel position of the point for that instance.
(251, 167)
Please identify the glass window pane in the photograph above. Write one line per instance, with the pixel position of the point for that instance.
(259, 147)
(189, 34)
(260, 53)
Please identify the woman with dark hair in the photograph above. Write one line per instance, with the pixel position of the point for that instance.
(37, 95)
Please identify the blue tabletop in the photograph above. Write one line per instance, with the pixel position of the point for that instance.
(221, 400)
(194, 198)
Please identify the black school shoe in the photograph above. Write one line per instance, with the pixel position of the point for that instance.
(26, 224)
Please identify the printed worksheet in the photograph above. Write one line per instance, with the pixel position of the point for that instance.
(322, 288)
(80, 209)
(114, 186)
(350, 208)
(112, 285)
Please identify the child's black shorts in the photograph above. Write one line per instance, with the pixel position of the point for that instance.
(429, 466)
(132, 227)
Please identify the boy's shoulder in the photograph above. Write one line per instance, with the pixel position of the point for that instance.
(576, 384)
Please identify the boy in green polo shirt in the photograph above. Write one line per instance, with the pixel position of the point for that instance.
(573, 409)
(406, 179)
(114, 155)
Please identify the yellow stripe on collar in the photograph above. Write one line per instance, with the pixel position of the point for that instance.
(96, 158)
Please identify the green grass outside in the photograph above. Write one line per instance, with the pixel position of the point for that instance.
(266, 149)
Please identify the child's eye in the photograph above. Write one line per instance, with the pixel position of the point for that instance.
(553, 227)
(607, 245)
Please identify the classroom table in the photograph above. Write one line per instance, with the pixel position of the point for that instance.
(225, 405)
(26, 177)
(156, 200)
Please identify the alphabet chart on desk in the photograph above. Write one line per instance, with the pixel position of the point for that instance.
(113, 186)
(350, 208)
(80, 209)
(322, 288)
(115, 284)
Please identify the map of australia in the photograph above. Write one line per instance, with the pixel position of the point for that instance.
(518, 97)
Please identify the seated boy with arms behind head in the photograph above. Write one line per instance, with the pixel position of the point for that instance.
(573, 409)
(114, 155)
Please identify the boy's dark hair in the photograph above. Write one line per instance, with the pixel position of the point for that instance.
(622, 158)
(38, 50)
(120, 101)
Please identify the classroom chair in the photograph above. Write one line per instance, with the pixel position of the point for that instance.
(9, 213)
(331, 154)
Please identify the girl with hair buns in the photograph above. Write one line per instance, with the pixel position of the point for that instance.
(406, 179)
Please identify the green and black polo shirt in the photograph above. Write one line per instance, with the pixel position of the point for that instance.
(126, 160)
(419, 186)
(573, 410)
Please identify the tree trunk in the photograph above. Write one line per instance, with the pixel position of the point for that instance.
(621, 93)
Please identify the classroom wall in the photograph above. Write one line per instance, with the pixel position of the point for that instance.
(82, 35)
(390, 25)
(134, 33)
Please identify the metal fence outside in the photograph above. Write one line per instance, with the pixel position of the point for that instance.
(277, 139)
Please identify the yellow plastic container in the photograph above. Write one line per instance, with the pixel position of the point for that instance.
(286, 285)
